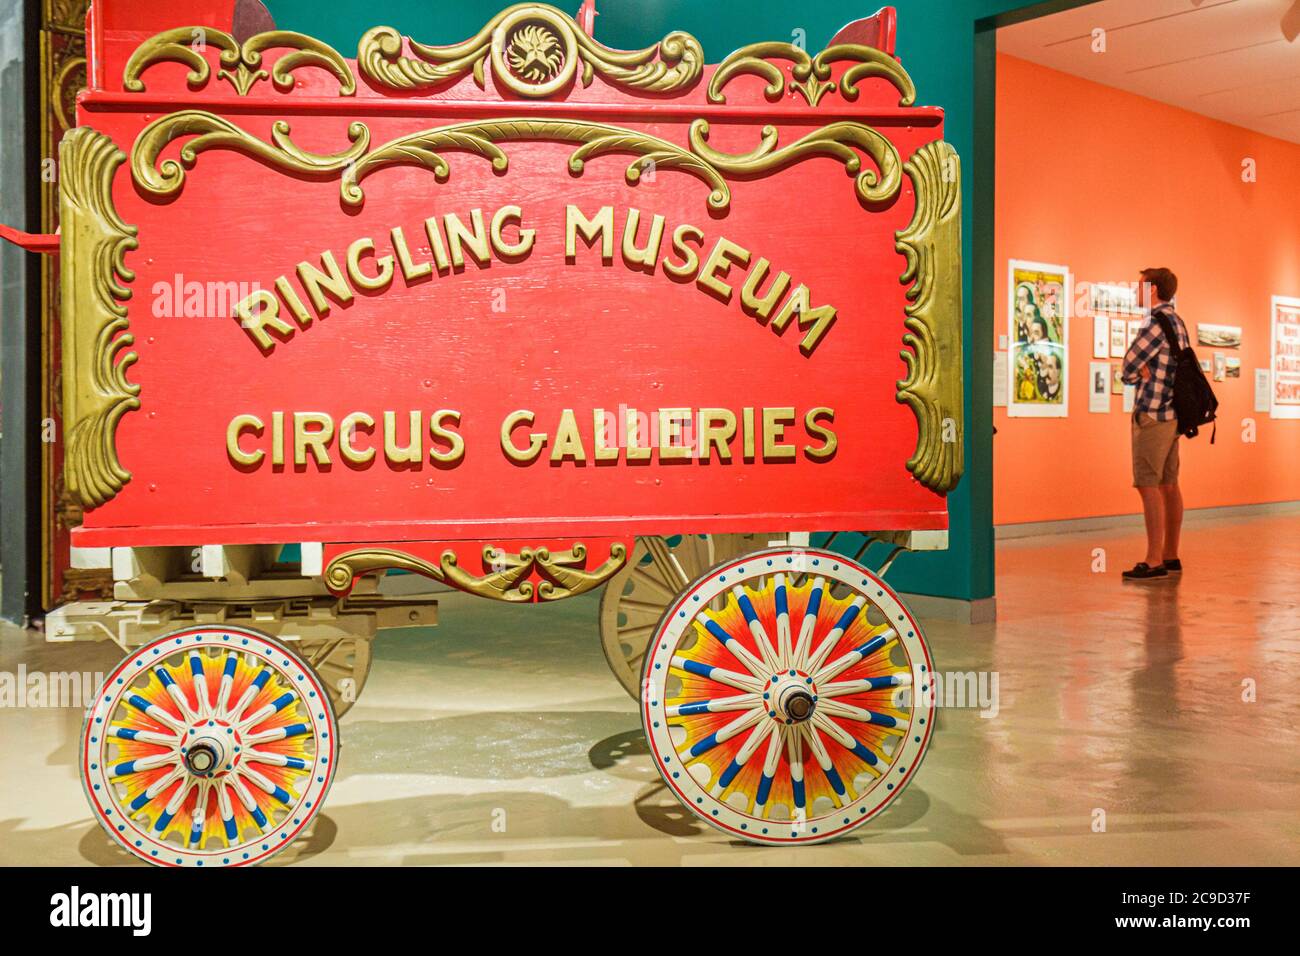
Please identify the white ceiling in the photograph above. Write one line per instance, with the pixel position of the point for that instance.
(1227, 59)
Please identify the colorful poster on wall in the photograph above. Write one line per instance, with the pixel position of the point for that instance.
(1117, 379)
(1286, 358)
(1039, 296)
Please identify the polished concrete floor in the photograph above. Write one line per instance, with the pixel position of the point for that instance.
(1169, 711)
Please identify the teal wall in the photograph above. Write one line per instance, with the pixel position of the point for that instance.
(940, 42)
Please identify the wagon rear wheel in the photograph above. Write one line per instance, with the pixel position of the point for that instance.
(211, 746)
(789, 696)
(636, 597)
(343, 664)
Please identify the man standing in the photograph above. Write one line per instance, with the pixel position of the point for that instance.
(1149, 365)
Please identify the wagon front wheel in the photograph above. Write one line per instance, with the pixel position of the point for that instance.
(212, 746)
(787, 696)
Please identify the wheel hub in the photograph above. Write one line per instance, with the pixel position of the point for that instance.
(210, 748)
(792, 698)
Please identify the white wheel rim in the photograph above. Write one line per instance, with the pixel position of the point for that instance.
(274, 767)
(741, 720)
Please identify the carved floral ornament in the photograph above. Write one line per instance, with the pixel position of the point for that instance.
(508, 577)
(533, 50)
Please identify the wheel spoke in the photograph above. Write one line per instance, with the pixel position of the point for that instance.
(250, 804)
(140, 764)
(717, 705)
(839, 790)
(856, 656)
(846, 619)
(751, 744)
(644, 576)
(154, 712)
(784, 653)
(737, 649)
(867, 684)
(770, 763)
(809, 622)
(794, 754)
(199, 817)
(743, 722)
(719, 674)
(200, 685)
(173, 691)
(277, 760)
(267, 710)
(668, 564)
(277, 733)
(890, 724)
(761, 640)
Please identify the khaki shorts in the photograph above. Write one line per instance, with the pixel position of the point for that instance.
(1155, 451)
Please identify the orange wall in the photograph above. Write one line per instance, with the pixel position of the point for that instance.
(1106, 183)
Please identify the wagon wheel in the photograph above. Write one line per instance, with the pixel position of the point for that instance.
(781, 705)
(212, 746)
(343, 664)
(636, 597)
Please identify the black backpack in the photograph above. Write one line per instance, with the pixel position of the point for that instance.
(1194, 401)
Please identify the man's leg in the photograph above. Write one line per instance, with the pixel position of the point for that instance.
(1153, 511)
(1172, 500)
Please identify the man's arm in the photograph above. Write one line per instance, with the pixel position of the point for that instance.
(1141, 353)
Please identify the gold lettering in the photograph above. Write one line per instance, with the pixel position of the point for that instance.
(568, 443)
(376, 283)
(357, 421)
(410, 270)
(717, 435)
(636, 452)
(775, 422)
(277, 439)
(536, 439)
(747, 426)
(799, 305)
(690, 259)
(506, 250)
(671, 421)
(317, 283)
(645, 257)
(828, 437)
(238, 424)
(761, 309)
(435, 243)
(725, 253)
(440, 432)
(601, 225)
(414, 450)
(605, 429)
(293, 301)
(316, 440)
(459, 237)
(256, 323)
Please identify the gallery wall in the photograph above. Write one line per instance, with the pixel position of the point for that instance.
(1106, 183)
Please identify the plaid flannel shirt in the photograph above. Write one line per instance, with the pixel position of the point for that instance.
(1155, 395)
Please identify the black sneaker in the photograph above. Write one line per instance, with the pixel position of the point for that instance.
(1141, 571)
(1173, 564)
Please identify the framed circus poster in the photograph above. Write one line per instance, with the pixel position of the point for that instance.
(1039, 297)
(1285, 364)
